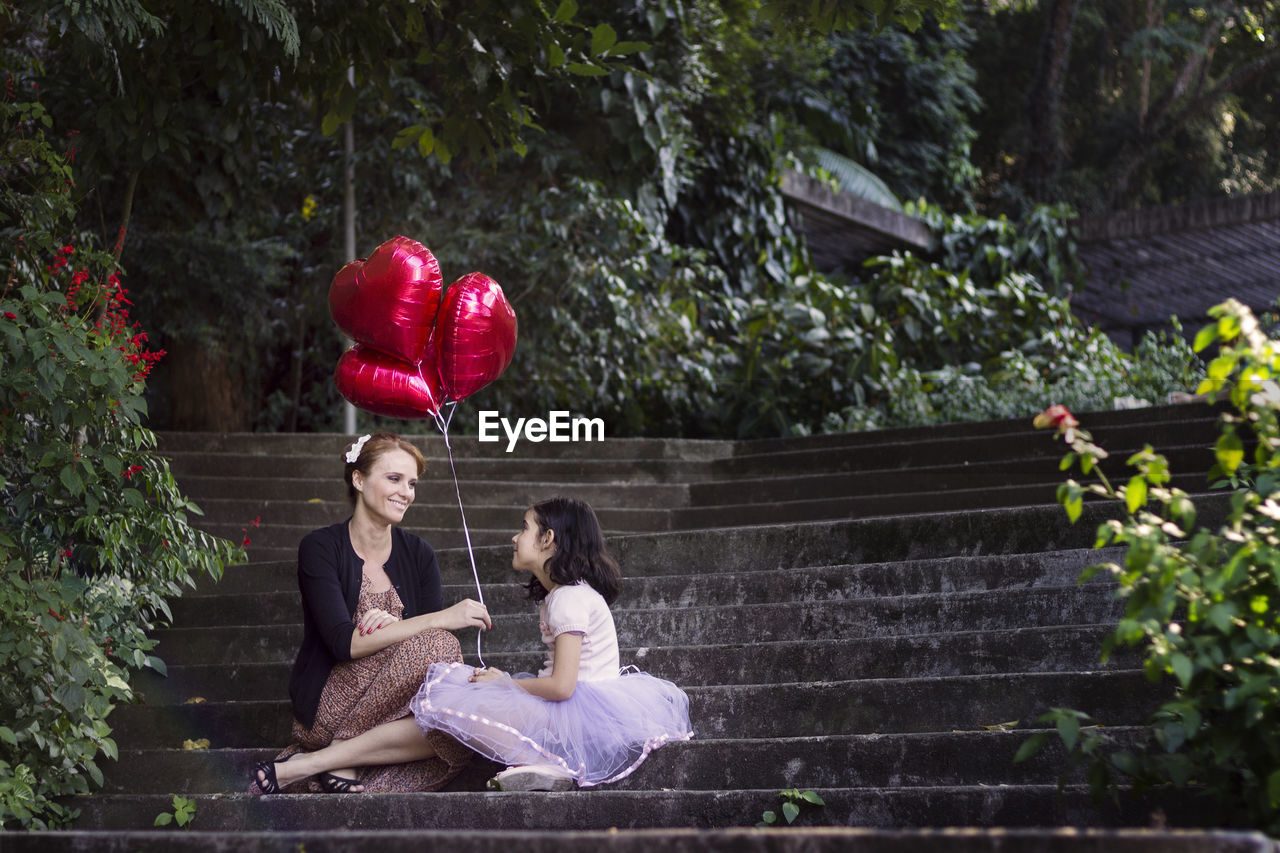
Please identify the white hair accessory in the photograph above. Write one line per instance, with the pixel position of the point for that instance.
(356, 446)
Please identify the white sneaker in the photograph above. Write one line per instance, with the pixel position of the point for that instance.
(532, 777)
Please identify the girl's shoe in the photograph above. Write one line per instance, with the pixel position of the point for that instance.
(532, 777)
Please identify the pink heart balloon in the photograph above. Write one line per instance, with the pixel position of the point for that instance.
(389, 301)
(385, 385)
(475, 335)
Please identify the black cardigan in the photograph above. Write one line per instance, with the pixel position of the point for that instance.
(329, 575)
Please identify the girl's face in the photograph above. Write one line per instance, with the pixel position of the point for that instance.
(531, 548)
(390, 487)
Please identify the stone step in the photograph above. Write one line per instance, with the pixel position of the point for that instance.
(778, 709)
(1120, 440)
(603, 809)
(869, 505)
(843, 761)
(1065, 648)
(262, 640)
(796, 839)
(285, 522)
(1097, 422)
(520, 493)
(1009, 530)
(712, 583)
(243, 593)
(550, 471)
(432, 444)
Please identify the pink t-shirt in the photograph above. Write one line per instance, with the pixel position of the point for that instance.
(579, 609)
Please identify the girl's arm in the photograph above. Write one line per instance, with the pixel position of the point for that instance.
(560, 684)
(372, 638)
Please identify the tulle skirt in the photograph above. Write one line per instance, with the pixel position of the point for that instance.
(600, 734)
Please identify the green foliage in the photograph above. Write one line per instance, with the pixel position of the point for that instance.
(94, 534)
(1199, 603)
(793, 800)
(184, 812)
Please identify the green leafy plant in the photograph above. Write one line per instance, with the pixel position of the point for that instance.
(1200, 603)
(184, 811)
(94, 533)
(793, 801)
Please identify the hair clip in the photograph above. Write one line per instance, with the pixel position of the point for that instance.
(356, 446)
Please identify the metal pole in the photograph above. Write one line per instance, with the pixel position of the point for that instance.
(349, 223)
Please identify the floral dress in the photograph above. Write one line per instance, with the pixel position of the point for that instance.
(364, 693)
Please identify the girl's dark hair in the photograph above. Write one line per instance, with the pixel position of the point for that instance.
(580, 553)
(378, 444)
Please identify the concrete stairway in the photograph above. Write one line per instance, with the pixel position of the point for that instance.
(862, 615)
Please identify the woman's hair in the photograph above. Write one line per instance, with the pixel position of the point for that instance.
(580, 553)
(374, 446)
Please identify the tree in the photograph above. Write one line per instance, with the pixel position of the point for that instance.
(1160, 102)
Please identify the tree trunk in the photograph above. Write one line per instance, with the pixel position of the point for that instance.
(1044, 144)
(206, 392)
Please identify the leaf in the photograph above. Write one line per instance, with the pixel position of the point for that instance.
(163, 819)
(1135, 494)
(790, 811)
(565, 11)
(584, 70)
(856, 179)
(7, 735)
(1030, 747)
(1230, 451)
(603, 37)
(1205, 336)
(1183, 669)
(813, 798)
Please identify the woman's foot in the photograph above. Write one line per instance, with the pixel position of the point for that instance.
(341, 782)
(264, 777)
(271, 777)
(532, 777)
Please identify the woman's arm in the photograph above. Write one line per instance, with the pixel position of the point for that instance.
(380, 633)
(562, 681)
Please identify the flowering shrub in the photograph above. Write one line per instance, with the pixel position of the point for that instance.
(94, 534)
(1201, 604)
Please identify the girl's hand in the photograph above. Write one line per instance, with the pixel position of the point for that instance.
(489, 674)
(466, 614)
(373, 619)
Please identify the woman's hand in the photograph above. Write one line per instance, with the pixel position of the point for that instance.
(465, 614)
(373, 619)
(487, 674)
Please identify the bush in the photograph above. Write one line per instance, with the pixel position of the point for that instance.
(94, 534)
(1201, 604)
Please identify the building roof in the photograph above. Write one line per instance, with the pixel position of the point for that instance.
(1146, 265)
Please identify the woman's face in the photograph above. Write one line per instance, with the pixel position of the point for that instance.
(531, 548)
(390, 487)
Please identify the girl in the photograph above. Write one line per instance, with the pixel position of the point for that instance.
(580, 719)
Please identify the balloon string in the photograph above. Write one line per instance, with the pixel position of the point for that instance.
(443, 424)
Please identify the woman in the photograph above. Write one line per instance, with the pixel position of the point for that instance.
(372, 624)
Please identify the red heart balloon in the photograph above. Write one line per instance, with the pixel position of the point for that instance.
(389, 301)
(385, 385)
(475, 335)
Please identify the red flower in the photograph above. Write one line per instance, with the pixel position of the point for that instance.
(1058, 417)
(9, 315)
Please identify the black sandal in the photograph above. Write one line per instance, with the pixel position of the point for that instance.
(332, 784)
(265, 771)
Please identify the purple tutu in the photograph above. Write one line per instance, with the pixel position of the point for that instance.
(599, 734)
